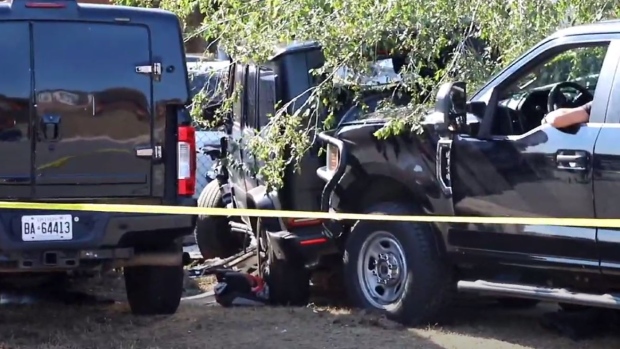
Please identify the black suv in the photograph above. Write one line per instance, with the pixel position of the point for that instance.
(286, 77)
(490, 157)
(93, 111)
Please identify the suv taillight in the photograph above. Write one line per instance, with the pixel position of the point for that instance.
(186, 161)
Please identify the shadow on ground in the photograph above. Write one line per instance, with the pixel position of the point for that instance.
(486, 321)
(57, 322)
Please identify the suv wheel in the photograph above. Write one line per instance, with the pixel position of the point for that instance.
(154, 290)
(394, 267)
(289, 283)
(213, 235)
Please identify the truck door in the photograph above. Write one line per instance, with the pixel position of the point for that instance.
(539, 171)
(237, 135)
(93, 107)
(265, 100)
(15, 130)
(606, 174)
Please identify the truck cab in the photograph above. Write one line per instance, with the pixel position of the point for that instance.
(489, 156)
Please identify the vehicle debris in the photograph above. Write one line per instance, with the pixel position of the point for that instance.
(236, 288)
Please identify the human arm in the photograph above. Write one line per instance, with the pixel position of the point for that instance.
(564, 117)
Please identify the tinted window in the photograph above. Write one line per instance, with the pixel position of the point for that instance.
(211, 83)
(237, 108)
(252, 95)
(197, 82)
(15, 109)
(578, 64)
(266, 96)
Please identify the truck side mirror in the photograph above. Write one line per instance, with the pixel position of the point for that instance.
(452, 102)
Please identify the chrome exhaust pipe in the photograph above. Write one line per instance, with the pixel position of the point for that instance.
(541, 293)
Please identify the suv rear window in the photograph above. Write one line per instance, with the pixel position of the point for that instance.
(237, 107)
(266, 95)
(258, 91)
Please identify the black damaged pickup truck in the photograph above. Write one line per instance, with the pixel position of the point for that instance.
(488, 155)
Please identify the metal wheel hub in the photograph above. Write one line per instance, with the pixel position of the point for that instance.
(386, 268)
(382, 270)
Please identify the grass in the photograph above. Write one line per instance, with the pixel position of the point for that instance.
(55, 325)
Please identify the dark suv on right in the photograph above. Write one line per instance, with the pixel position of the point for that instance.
(285, 77)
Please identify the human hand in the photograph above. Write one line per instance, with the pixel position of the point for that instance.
(550, 117)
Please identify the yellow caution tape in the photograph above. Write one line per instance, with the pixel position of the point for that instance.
(183, 210)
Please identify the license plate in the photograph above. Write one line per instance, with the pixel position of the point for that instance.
(47, 228)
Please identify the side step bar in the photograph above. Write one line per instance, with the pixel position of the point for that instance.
(540, 293)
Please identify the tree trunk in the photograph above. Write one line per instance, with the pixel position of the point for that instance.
(193, 22)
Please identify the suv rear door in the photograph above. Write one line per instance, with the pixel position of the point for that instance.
(93, 125)
(15, 90)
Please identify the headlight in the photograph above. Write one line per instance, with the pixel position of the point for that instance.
(333, 157)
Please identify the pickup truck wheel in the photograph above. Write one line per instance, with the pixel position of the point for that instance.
(213, 234)
(395, 267)
(154, 290)
(518, 303)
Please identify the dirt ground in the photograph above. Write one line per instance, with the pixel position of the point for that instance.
(108, 324)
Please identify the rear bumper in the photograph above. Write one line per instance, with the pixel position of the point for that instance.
(306, 246)
(97, 236)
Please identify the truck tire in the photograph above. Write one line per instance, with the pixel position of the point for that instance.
(154, 290)
(517, 303)
(418, 281)
(212, 233)
(289, 283)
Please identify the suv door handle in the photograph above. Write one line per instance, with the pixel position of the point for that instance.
(577, 161)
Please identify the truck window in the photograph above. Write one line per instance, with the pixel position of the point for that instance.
(580, 64)
(266, 96)
(15, 140)
(523, 104)
(239, 81)
(251, 95)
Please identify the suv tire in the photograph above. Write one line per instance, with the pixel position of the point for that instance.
(212, 233)
(425, 279)
(154, 290)
(289, 282)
